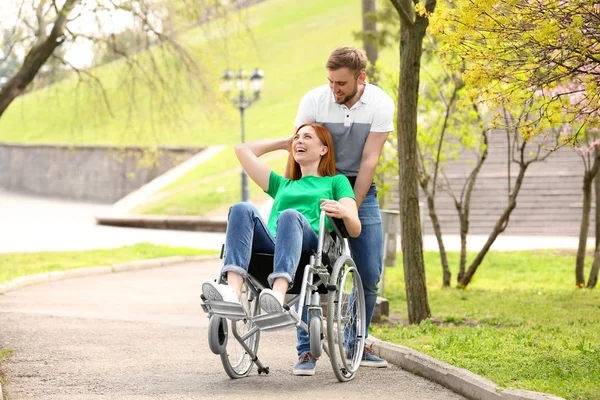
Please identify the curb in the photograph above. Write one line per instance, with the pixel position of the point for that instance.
(459, 380)
(90, 271)
(186, 223)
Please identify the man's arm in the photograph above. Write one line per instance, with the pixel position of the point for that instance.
(370, 158)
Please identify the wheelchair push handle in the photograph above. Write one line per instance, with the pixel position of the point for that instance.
(338, 225)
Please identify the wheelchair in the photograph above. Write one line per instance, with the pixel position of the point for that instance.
(234, 329)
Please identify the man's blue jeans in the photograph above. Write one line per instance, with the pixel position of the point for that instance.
(247, 233)
(367, 253)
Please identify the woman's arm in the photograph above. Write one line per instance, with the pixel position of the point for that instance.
(257, 169)
(346, 210)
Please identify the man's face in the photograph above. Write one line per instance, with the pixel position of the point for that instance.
(343, 84)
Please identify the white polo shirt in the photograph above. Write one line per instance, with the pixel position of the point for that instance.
(373, 113)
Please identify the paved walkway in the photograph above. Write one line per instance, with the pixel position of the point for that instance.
(142, 335)
(31, 223)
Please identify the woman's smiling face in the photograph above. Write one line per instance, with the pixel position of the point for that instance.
(307, 146)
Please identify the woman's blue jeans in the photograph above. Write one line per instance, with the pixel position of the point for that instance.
(247, 233)
(367, 253)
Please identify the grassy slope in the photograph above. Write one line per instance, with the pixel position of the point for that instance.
(521, 323)
(289, 40)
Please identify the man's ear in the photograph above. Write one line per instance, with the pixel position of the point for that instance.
(362, 77)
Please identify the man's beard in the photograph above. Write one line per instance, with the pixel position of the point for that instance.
(348, 97)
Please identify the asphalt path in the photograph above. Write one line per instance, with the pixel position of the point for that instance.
(142, 335)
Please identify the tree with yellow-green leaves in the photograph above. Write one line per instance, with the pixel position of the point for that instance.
(414, 19)
(541, 53)
(547, 48)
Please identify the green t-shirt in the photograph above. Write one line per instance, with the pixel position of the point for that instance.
(304, 195)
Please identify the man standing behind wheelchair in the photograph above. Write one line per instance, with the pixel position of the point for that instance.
(359, 116)
(293, 225)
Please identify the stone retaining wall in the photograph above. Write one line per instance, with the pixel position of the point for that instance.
(94, 173)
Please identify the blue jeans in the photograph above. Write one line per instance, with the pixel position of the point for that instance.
(367, 253)
(247, 233)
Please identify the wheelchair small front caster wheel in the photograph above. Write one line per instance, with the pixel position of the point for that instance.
(217, 334)
(316, 336)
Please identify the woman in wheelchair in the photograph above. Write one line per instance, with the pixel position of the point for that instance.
(293, 224)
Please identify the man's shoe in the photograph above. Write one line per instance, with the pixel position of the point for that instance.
(270, 301)
(306, 365)
(219, 292)
(369, 359)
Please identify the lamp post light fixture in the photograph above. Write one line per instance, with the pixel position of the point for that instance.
(243, 100)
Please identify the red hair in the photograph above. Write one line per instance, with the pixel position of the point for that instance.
(327, 163)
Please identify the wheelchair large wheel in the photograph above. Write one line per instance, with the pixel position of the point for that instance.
(346, 319)
(235, 359)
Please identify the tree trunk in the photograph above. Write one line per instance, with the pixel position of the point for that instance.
(411, 38)
(464, 229)
(465, 210)
(597, 189)
(583, 229)
(36, 58)
(498, 228)
(437, 229)
(593, 279)
(369, 33)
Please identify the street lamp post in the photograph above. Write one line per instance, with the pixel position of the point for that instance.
(243, 101)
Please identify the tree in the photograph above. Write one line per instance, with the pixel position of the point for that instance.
(369, 33)
(414, 19)
(442, 136)
(9, 63)
(549, 47)
(517, 122)
(54, 24)
(589, 156)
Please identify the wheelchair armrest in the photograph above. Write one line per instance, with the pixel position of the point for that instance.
(338, 227)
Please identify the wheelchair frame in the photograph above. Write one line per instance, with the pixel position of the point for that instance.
(346, 315)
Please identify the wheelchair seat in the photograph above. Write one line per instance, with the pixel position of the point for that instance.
(261, 266)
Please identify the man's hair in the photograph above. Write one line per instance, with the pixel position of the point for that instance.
(347, 57)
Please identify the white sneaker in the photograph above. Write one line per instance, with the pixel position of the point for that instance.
(219, 292)
(271, 301)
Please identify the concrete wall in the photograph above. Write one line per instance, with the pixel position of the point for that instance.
(94, 173)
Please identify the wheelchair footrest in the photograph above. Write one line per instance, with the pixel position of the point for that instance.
(225, 309)
(273, 321)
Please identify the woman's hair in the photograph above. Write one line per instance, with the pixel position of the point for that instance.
(327, 163)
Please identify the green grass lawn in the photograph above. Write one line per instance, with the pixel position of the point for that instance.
(15, 265)
(520, 323)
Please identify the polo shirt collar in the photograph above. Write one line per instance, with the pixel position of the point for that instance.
(366, 94)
